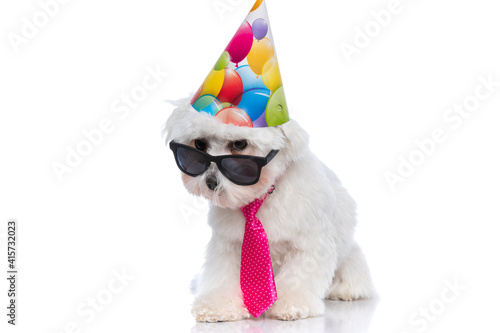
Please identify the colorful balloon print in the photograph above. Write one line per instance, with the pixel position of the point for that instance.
(271, 74)
(261, 121)
(256, 5)
(208, 103)
(223, 61)
(254, 102)
(196, 95)
(261, 52)
(241, 43)
(244, 87)
(259, 28)
(235, 116)
(213, 83)
(276, 109)
(231, 88)
(250, 81)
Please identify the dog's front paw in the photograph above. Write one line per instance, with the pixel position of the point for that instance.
(219, 308)
(296, 307)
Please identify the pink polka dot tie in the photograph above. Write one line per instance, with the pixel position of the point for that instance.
(256, 276)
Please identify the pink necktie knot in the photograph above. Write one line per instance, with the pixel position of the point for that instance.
(250, 212)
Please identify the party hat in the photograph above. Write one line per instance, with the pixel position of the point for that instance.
(244, 87)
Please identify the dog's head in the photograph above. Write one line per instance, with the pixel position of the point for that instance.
(209, 134)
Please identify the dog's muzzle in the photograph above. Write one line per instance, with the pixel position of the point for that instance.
(211, 182)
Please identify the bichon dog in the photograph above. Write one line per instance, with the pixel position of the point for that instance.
(309, 220)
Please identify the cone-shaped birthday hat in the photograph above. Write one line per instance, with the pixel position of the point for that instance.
(244, 87)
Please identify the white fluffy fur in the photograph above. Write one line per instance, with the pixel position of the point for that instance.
(309, 220)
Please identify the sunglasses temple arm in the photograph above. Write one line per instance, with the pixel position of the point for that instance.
(271, 155)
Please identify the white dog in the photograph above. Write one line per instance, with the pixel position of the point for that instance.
(309, 220)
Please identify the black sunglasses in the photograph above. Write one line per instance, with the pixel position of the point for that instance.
(240, 169)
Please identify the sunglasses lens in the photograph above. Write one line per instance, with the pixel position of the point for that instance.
(240, 170)
(191, 161)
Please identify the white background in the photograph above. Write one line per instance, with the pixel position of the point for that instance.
(124, 207)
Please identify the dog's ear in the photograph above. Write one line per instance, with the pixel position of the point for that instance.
(175, 123)
(169, 127)
(297, 140)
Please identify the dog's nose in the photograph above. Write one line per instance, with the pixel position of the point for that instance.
(211, 182)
